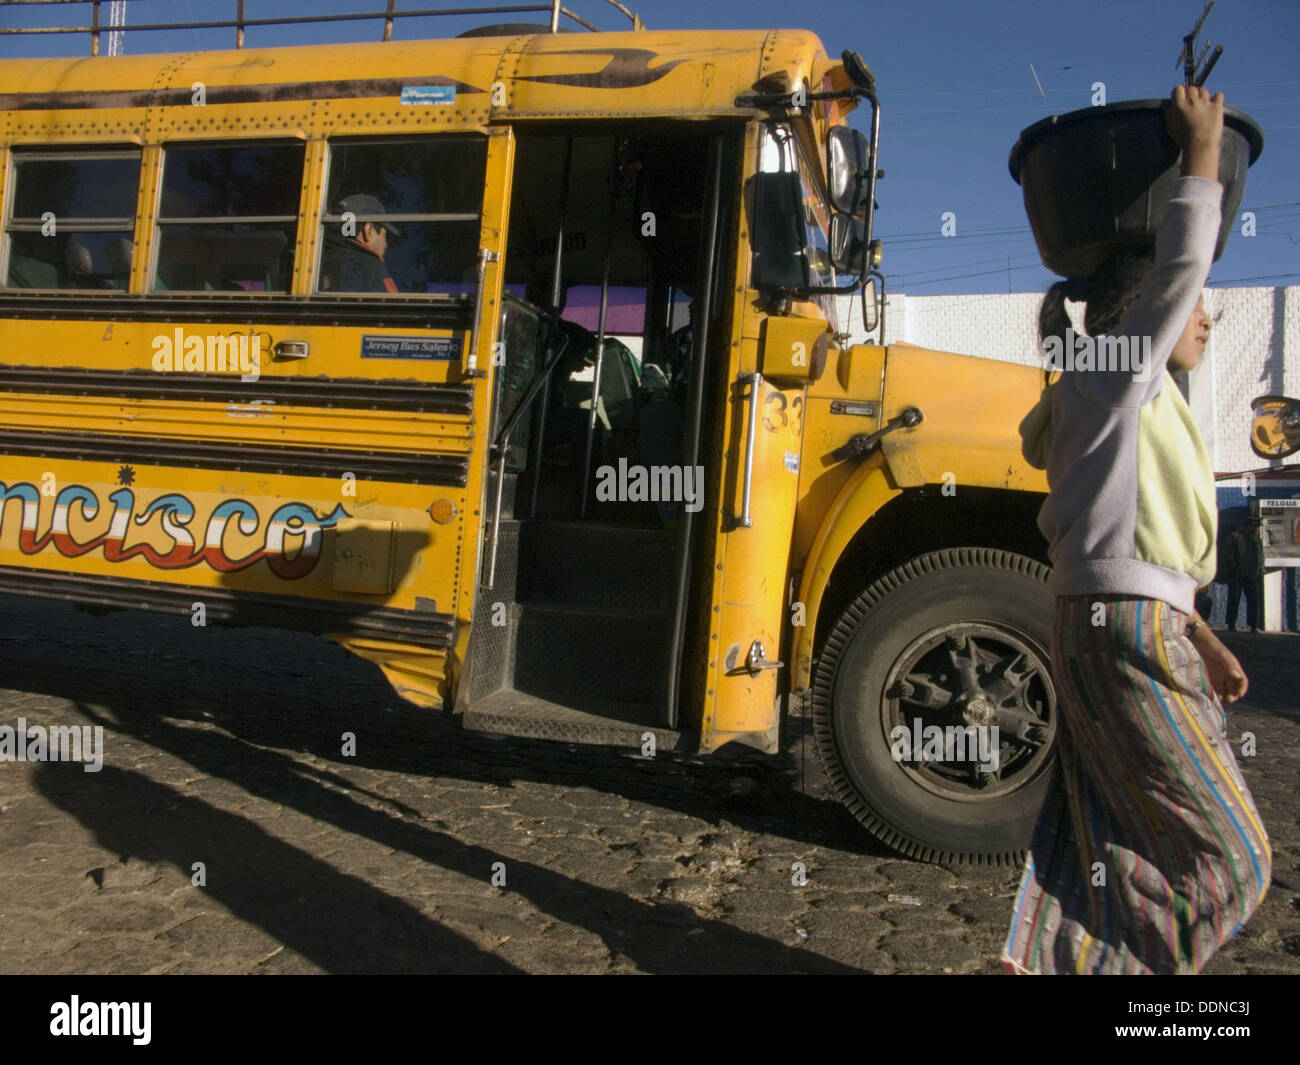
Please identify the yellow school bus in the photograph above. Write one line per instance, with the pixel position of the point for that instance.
(514, 362)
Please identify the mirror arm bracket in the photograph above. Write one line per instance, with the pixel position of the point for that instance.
(771, 100)
(831, 290)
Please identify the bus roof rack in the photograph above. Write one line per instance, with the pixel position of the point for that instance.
(117, 24)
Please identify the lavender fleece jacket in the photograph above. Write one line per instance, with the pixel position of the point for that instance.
(1132, 509)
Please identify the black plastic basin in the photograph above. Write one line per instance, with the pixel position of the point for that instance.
(1099, 179)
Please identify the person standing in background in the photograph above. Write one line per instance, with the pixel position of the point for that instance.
(1245, 560)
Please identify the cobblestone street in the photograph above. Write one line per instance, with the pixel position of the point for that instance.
(223, 747)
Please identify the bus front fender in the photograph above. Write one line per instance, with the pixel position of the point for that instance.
(862, 496)
(909, 459)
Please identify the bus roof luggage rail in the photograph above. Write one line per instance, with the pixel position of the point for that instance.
(117, 25)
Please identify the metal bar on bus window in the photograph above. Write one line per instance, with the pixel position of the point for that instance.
(27, 221)
(239, 30)
(544, 403)
(227, 220)
(394, 216)
(555, 16)
(600, 360)
(112, 222)
(94, 34)
(22, 155)
(388, 22)
(556, 277)
(496, 519)
(600, 340)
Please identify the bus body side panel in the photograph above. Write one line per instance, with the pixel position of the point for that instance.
(339, 493)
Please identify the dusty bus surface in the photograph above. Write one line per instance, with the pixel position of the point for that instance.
(512, 363)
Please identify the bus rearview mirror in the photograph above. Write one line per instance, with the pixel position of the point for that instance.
(1275, 427)
(848, 156)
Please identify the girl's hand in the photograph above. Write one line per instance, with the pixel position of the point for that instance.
(1195, 116)
(1221, 665)
(1195, 122)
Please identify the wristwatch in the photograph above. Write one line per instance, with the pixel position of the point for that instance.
(1191, 629)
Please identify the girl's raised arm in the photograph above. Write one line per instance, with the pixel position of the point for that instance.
(1185, 242)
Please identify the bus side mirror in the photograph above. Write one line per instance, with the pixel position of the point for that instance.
(779, 233)
(1275, 428)
(848, 160)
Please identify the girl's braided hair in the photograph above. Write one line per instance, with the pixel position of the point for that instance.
(1107, 293)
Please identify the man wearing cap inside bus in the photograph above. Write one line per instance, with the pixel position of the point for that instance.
(356, 263)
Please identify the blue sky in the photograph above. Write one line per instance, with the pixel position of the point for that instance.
(956, 88)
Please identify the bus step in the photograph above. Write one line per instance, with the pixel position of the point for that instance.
(509, 712)
(563, 651)
(590, 564)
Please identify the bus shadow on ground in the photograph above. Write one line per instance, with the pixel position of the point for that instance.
(279, 689)
(345, 924)
(339, 921)
(147, 677)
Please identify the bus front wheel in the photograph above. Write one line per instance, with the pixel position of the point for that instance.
(933, 705)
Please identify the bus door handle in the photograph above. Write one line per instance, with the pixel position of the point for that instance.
(865, 443)
(755, 381)
(292, 349)
(755, 662)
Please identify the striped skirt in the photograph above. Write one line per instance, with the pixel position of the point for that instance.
(1149, 854)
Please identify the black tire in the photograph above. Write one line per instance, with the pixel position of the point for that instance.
(984, 616)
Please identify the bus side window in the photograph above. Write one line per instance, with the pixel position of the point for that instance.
(430, 191)
(228, 218)
(71, 219)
